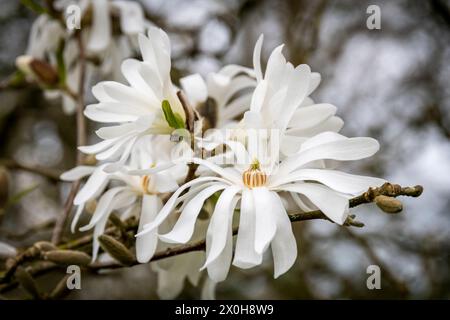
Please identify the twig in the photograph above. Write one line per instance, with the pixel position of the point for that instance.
(392, 190)
(81, 140)
(46, 172)
(387, 189)
(191, 116)
(368, 196)
(188, 110)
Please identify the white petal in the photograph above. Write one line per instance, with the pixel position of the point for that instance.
(257, 58)
(265, 227)
(116, 150)
(195, 88)
(333, 124)
(306, 117)
(284, 245)
(93, 187)
(220, 226)
(98, 231)
(126, 95)
(100, 146)
(343, 150)
(227, 174)
(146, 245)
(96, 114)
(291, 144)
(170, 204)
(296, 92)
(337, 180)
(275, 66)
(232, 70)
(120, 108)
(331, 203)
(117, 166)
(163, 182)
(153, 170)
(77, 173)
(219, 267)
(245, 255)
(76, 217)
(131, 70)
(184, 228)
(236, 107)
(103, 206)
(314, 82)
(258, 96)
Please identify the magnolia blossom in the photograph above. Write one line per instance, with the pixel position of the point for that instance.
(137, 107)
(278, 99)
(130, 195)
(107, 49)
(255, 186)
(263, 219)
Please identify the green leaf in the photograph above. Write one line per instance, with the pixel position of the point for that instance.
(173, 119)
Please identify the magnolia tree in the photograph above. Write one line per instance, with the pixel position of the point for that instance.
(191, 176)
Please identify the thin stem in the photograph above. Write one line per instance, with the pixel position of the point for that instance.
(367, 197)
(46, 172)
(81, 140)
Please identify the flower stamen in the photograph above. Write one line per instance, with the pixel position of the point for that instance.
(254, 177)
(145, 180)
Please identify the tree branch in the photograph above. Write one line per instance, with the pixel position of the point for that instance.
(369, 196)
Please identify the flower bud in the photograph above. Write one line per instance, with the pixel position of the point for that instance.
(40, 71)
(45, 246)
(116, 249)
(67, 257)
(27, 282)
(388, 204)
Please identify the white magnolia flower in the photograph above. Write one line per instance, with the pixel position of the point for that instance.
(109, 49)
(254, 185)
(129, 195)
(280, 99)
(137, 107)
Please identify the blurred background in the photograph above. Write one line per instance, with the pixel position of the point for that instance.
(391, 84)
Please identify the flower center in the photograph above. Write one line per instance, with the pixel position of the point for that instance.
(254, 177)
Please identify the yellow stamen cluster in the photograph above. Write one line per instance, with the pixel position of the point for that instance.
(254, 177)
